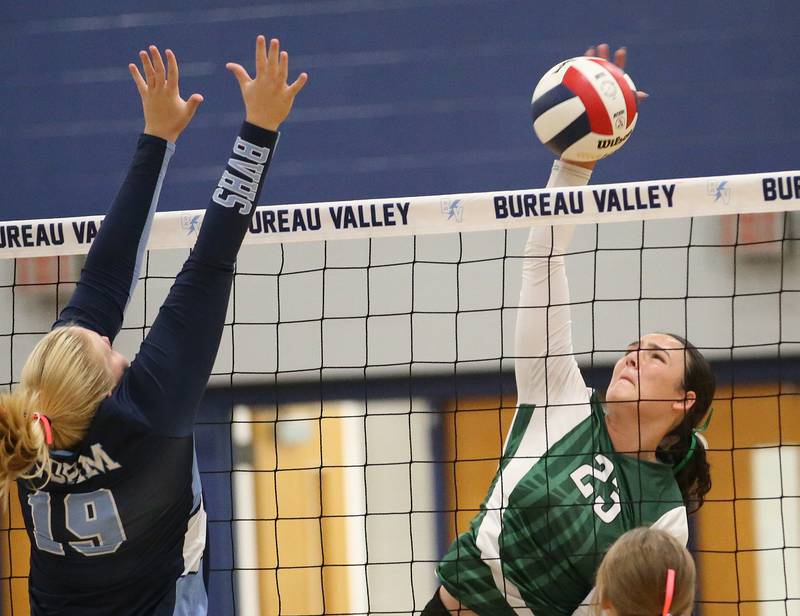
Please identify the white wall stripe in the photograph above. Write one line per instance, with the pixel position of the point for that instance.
(776, 488)
(354, 453)
(232, 14)
(244, 507)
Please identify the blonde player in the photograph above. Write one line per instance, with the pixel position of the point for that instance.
(102, 450)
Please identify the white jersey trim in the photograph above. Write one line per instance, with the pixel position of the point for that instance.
(676, 523)
(194, 542)
(539, 437)
(547, 376)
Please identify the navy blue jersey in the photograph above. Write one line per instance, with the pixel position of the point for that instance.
(120, 528)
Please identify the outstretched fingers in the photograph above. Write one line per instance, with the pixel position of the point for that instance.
(602, 51)
(261, 55)
(298, 84)
(267, 97)
(166, 114)
(147, 67)
(192, 104)
(270, 62)
(158, 65)
(273, 57)
(621, 57)
(241, 74)
(141, 84)
(283, 67)
(172, 70)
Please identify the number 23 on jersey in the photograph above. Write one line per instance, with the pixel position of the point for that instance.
(604, 510)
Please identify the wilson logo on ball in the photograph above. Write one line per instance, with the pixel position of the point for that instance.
(604, 144)
(584, 108)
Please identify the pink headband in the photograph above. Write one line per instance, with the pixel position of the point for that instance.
(669, 592)
(48, 430)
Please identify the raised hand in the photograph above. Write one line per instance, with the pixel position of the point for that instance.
(620, 59)
(268, 98)
(166, 114)
(604, 51)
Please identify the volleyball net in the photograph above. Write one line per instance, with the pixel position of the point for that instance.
(364, 384)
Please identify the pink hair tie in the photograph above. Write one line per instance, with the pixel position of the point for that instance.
(48, 431)
(670, 590)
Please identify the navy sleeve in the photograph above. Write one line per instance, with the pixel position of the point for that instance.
(114, 261)
(166, 380)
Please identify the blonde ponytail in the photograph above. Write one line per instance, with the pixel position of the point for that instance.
(23, 451)
(64, 379)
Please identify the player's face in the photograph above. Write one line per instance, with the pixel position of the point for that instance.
(650, 373)
(115, 363)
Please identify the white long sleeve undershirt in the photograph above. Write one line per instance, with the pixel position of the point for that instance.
(546, 371)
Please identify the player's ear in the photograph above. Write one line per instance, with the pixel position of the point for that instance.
(685, 405)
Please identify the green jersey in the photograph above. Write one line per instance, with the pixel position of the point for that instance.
(562, 494)
(541, 548)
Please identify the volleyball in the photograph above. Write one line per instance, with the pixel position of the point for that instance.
(584, 108)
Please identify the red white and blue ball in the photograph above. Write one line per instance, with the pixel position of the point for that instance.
(584, 108)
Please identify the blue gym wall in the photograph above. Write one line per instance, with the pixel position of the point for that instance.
(406, 96)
